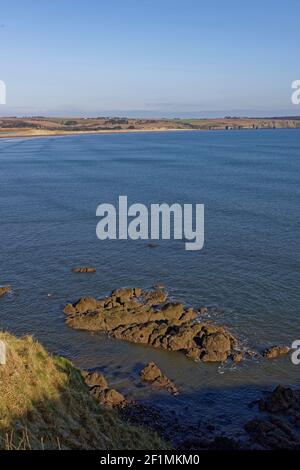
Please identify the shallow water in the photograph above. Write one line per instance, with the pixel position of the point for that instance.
(248, 270)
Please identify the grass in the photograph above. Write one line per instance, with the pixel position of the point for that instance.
(46, 405)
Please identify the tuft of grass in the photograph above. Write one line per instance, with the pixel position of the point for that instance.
(45, 404)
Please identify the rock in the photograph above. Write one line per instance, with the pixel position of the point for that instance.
(137, 291)
(109, 397)
(123, 294)
(237, 356)
(216, 347)
(93, 379)
(272, 434)
(194, 354)
(202, 310)
(163, 383)
(85, 305)
(4, 290)
(147, 317)
(85, 269)
(70, 310)
(275, 351)
(252, 354)
(151, 373)
(280, 400)
(154, 297)
(99, 389)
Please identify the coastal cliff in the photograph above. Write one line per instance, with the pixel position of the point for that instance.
(45, 404)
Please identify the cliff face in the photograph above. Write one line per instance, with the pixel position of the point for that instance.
(45, 404)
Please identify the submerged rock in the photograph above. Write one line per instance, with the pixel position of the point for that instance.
(151, 373)
(4, 290)
(85, 269)
(148, 317)
(275, 351)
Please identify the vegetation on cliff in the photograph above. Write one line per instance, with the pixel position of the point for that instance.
(45, 404)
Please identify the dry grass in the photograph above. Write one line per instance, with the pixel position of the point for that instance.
(46, 405)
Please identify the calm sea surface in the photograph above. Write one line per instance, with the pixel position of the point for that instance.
(248, 270)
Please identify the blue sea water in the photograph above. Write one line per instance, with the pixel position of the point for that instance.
(248, 270)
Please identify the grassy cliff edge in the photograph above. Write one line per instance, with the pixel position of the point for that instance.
(45, 404)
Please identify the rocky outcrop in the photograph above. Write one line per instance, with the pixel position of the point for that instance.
(272, 434)
(279, 428)
(4, 290)
(109, 397)
(94, 379)
(148, 317)
(100, 390)
(85, 269)
(152, 374)
(275, 351)
(281, 400)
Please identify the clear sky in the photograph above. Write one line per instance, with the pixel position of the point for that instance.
(149, 57)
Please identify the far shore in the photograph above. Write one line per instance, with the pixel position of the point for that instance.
(39, 126)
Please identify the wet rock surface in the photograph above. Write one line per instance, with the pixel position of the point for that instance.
(152, 374)
(4, 290)
(148, 317)
(100, 390)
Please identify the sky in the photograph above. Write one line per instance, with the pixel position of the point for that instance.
(149, 58)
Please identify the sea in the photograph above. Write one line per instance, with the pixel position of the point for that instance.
(248, 272)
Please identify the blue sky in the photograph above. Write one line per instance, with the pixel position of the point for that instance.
(149, 58)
